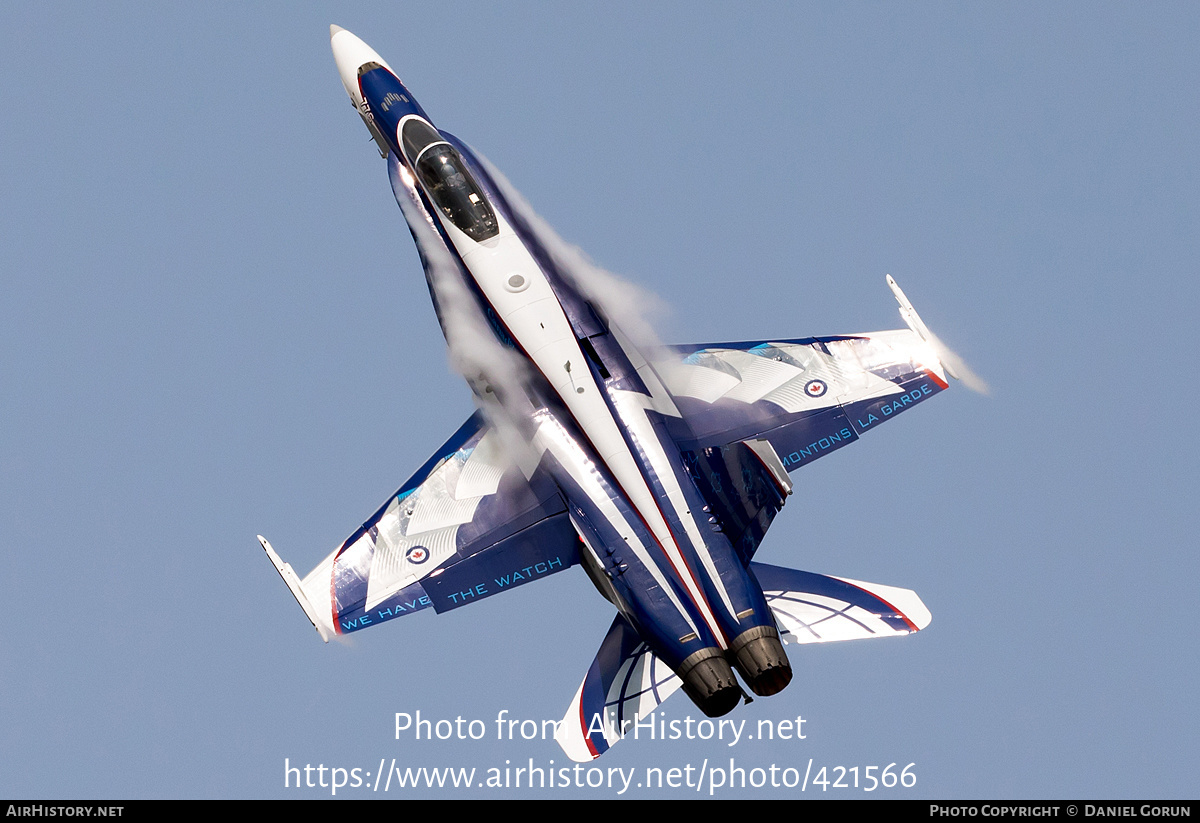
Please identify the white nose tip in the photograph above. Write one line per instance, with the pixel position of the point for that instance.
(350, 53)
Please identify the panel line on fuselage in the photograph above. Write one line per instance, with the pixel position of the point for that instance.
(588, 410)
(658, 399)
(555, 439)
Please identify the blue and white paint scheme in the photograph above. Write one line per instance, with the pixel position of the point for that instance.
(657, 470)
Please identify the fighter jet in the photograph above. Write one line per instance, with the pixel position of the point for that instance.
(658, 471)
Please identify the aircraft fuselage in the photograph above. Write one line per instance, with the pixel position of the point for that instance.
(586, 402)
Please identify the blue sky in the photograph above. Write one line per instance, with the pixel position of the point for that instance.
(214, 325)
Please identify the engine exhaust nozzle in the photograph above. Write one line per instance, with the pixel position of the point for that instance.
(761, 660)
(709, 682)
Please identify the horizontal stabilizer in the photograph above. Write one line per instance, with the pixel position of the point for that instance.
(625, 682)
(814, 608)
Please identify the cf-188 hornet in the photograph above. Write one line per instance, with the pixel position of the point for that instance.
(656, 469)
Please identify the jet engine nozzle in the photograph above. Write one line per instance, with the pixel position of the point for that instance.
(709, 682)
(761, 660)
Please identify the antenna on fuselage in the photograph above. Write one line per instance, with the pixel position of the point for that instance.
(578, 389)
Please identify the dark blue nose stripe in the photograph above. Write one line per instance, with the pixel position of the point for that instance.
(389, 100)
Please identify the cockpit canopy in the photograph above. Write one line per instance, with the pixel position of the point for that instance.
(446, 178)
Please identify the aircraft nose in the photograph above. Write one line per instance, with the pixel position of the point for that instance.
(350, 53)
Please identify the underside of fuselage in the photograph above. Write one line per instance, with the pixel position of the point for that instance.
(659, 474)
(592, 409)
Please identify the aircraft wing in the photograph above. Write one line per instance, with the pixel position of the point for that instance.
(752, 411)
(807, 397)
(627, 682)
(468, 524)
